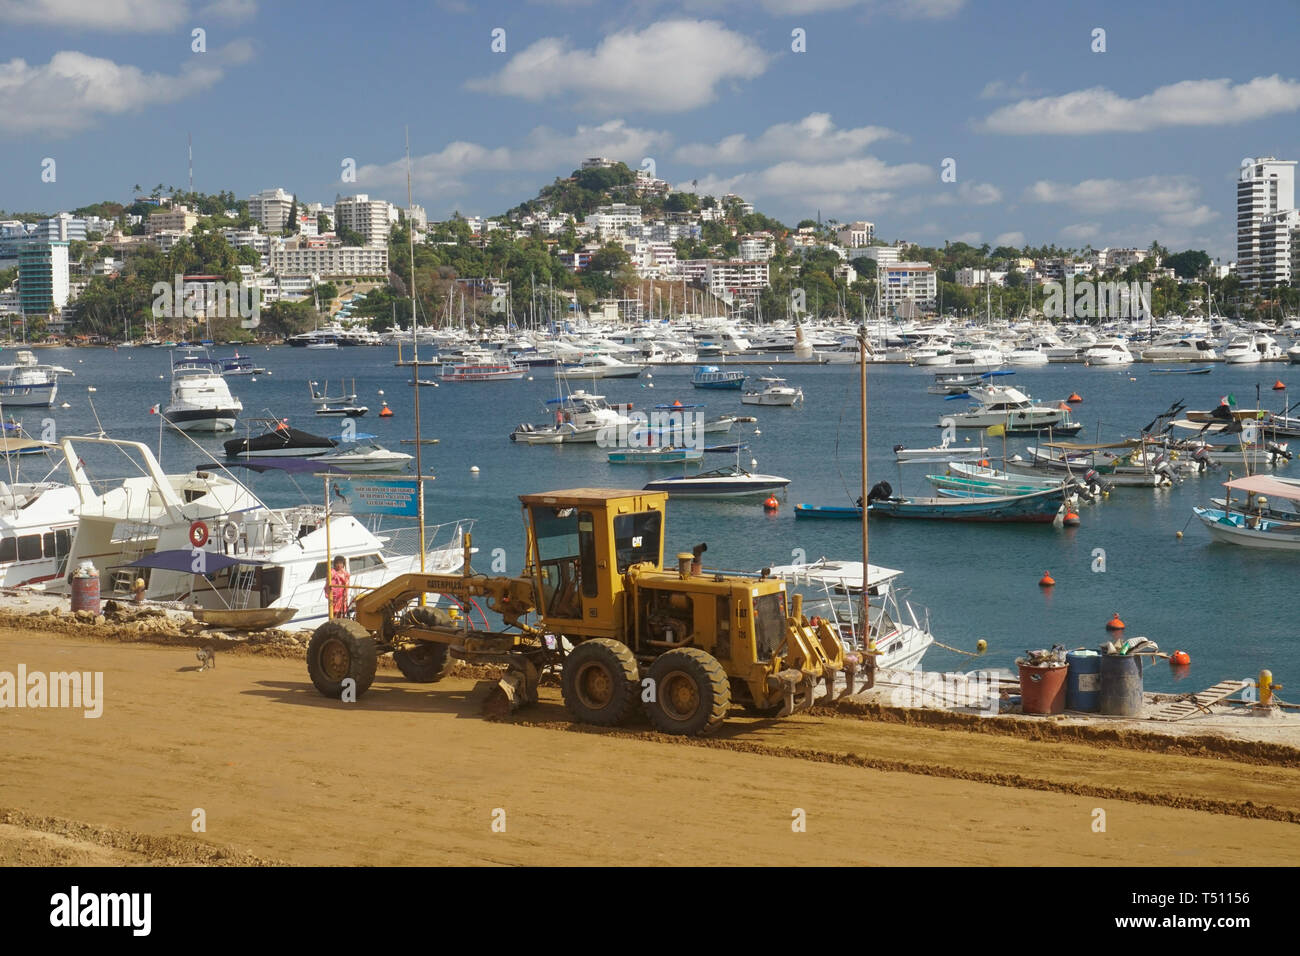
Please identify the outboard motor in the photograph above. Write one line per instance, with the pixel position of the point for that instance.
(1277, 451)
(881, 491)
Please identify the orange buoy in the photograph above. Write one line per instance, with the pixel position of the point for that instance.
(1075, 398)
(385, 412)
(677, 403)
(1180, 658)
(771, 504)
(1046, 581)
(1071, 519)
(1278, 386)
(984, 462)
(1115, 624)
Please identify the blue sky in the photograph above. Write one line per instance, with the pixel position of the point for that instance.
(1052, 142)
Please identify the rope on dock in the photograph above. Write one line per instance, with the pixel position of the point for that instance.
(958, 650)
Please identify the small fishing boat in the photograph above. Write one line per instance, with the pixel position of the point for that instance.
(666, 454)
(244, 618)
(710, 376)
(730, 482)
(478, 365)
(1037, 506)
(236, 365)
(1203, 370)
(1248, 523)
(833, 512)
(773, 391)
(348, 411)
(948, 486)
(944, 452)
(994, 478)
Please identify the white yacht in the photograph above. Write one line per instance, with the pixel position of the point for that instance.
(1179, 349)
(37, 523)
(1248, 349)
(772, 391)
(253, 557)
(1027, 355)
(597, 366)
(200, 398)
(1108, 352)
(28, 383)
(1006, 406)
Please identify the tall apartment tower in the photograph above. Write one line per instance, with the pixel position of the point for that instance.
(1266, 221)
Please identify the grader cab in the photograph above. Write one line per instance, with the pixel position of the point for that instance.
(595, 600)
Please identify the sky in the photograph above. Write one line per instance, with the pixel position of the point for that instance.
(938, 120)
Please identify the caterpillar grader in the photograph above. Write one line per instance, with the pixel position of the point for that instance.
(596, 601)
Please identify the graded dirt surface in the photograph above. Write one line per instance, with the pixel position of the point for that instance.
(412, 774)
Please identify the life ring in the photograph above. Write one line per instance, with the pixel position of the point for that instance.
(230, 532)
(198, 534)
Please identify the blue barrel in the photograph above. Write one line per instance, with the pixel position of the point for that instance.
(1121, 685)
(1083, 686)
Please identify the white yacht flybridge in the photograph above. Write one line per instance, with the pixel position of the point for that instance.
(203, 538)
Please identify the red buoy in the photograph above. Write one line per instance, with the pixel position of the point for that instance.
(1075, 398)
(1046, 581)
(385, 412)
(771, 504)
(1071, 519)
(1278, 386)
(1180, 658)
(1115, 624)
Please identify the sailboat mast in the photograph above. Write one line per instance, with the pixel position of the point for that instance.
(415, 345)
(866, 567)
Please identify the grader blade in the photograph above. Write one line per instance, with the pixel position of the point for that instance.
(517, 688)
(850, 675)
(790, 680)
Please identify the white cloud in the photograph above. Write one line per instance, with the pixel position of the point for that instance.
(1003, 90)
(1175, 200)
(1014, 239)
(1081, 231)
(670, 66)
(813, 137)
(445, 172)
(74, 89)
(124, 16)
(970, 238)
(966, 193)
(1189, 103)
(903, 9)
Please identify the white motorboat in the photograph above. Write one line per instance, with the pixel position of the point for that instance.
(1006, 406)
(833, 591)
(580, 417)
(28, 383)
(366, 457)
(37, 523)
(1027, 356)
(251, 556)
(1179, 349)
(200, 398)
(1250, 349)
(599, 366)
(1108, 352)
(1293, 354)
(772, 391)
(944, 452)
(729, 482)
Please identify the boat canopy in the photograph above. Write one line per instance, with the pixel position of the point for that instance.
(182, 559)
(15, 445)
(1266, 485)
(846, 574)
(1091, 446)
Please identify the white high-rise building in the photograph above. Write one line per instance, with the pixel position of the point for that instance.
(1266, 216)
(908, 283)
(856, 235)
(270, 207)
(368, 218)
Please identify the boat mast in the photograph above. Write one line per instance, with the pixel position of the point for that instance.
(866, 567)
(415, 345)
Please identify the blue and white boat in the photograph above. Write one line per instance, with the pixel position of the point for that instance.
(29, 384)
(666, 454)
(1253, 523)
(1038, 506)
(710, 376)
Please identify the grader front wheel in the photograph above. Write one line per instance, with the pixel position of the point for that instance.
(428, 662)
(600, 681)
(340, 650)
(692, 694)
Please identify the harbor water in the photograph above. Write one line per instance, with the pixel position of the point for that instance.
(1226, 606)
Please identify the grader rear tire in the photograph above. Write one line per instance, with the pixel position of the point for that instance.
(341, 649)
(429, 662)
(600, 682)
(692, 694)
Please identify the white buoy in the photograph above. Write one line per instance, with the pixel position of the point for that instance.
(65, 405)
(381, 391)
(473, 469)
(530, 378)
(162, 376)
(757, 432)
(649, 375)
(753, 463)
(91, 388)
(651, 385)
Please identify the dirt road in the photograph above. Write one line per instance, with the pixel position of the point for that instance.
(412, 775)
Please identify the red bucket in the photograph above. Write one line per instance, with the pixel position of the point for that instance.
(1042, 689)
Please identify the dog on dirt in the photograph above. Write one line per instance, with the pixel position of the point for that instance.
(207, 658)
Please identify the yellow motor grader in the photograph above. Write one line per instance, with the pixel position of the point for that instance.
(595, 600)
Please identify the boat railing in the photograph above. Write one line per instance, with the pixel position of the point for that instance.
(445, 537)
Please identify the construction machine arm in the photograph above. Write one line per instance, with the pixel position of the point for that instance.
(512, 598)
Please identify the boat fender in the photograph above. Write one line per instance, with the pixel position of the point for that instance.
(881, 491)
(198, 534)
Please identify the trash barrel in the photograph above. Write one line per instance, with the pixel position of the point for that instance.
(1083, 685)
(1042, 688)
(85, 588)
(1121, 685)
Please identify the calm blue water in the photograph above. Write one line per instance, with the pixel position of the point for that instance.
(1225, 606)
